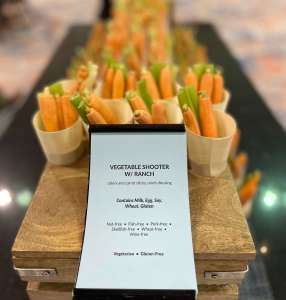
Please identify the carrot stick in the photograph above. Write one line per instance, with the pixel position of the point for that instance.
(82, 73)
(159, 113)
(103, 70)
(191, 120)
(143, 117)
(151, 85)
(69, 113)
(107, 83)
(138, 39)
(238, 164)
(218, 88)
(191, 79)
(99, 104)
(207, 118)
(94, 117)
(206, 84)
(137, 103)
(133, 61)
(249, 189)
(118, 87)
(235, 143)
(82, 86)
(166, 83)
(48, 112)
(131, 81)
(60, 114)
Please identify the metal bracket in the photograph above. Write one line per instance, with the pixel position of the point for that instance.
(236, 275)
(46, 273)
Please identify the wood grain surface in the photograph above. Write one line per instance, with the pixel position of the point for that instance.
(53, 226)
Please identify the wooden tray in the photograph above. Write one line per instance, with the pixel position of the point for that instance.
(51, 234)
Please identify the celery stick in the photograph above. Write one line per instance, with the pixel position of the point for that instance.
(193, 99)
(211, 68)
(156, 70)
(199, 69)
(80, 105)
(182, 98)
(142, 89)
(56, 89)
(92, 74)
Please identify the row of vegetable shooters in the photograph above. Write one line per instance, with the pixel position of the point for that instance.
(119, 96)
(92, 96)
(154, 97)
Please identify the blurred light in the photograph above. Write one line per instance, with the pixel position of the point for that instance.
(269, 198)
(24, 197)
(5, 198)
(263, 249)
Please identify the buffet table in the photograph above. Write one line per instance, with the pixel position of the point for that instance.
(48, 245)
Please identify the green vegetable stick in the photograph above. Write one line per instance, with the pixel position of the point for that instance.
(92, 74)
(182, 98)
(211, 68)
(199, 70)
(142, 89)
(185, 100)
(80, 105)
(156, 70)
(193, 98)
(56, 89)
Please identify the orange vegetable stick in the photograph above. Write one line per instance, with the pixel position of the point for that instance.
(138, 39)
(82, 73)
(118, 87)
(103, 70)
(48, 112)
(218, 88)
(82, 85)
(206, 84)
(59, 112)
(159, 113)
(191, 79)
(107, 83)
(207, 118)
(137, 103)
(191, 120)
(235, 143)
(99, 104)
(166, 83)
(131, 81)
(151, 85)
(249, 189)
(143, 117)
(133, 61)
(239, 164)
(70, 115)
(94, 117)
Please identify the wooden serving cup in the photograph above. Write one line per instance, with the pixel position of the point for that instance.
(208, 156)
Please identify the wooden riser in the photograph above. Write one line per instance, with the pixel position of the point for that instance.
(51, 233)
(62, 291)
